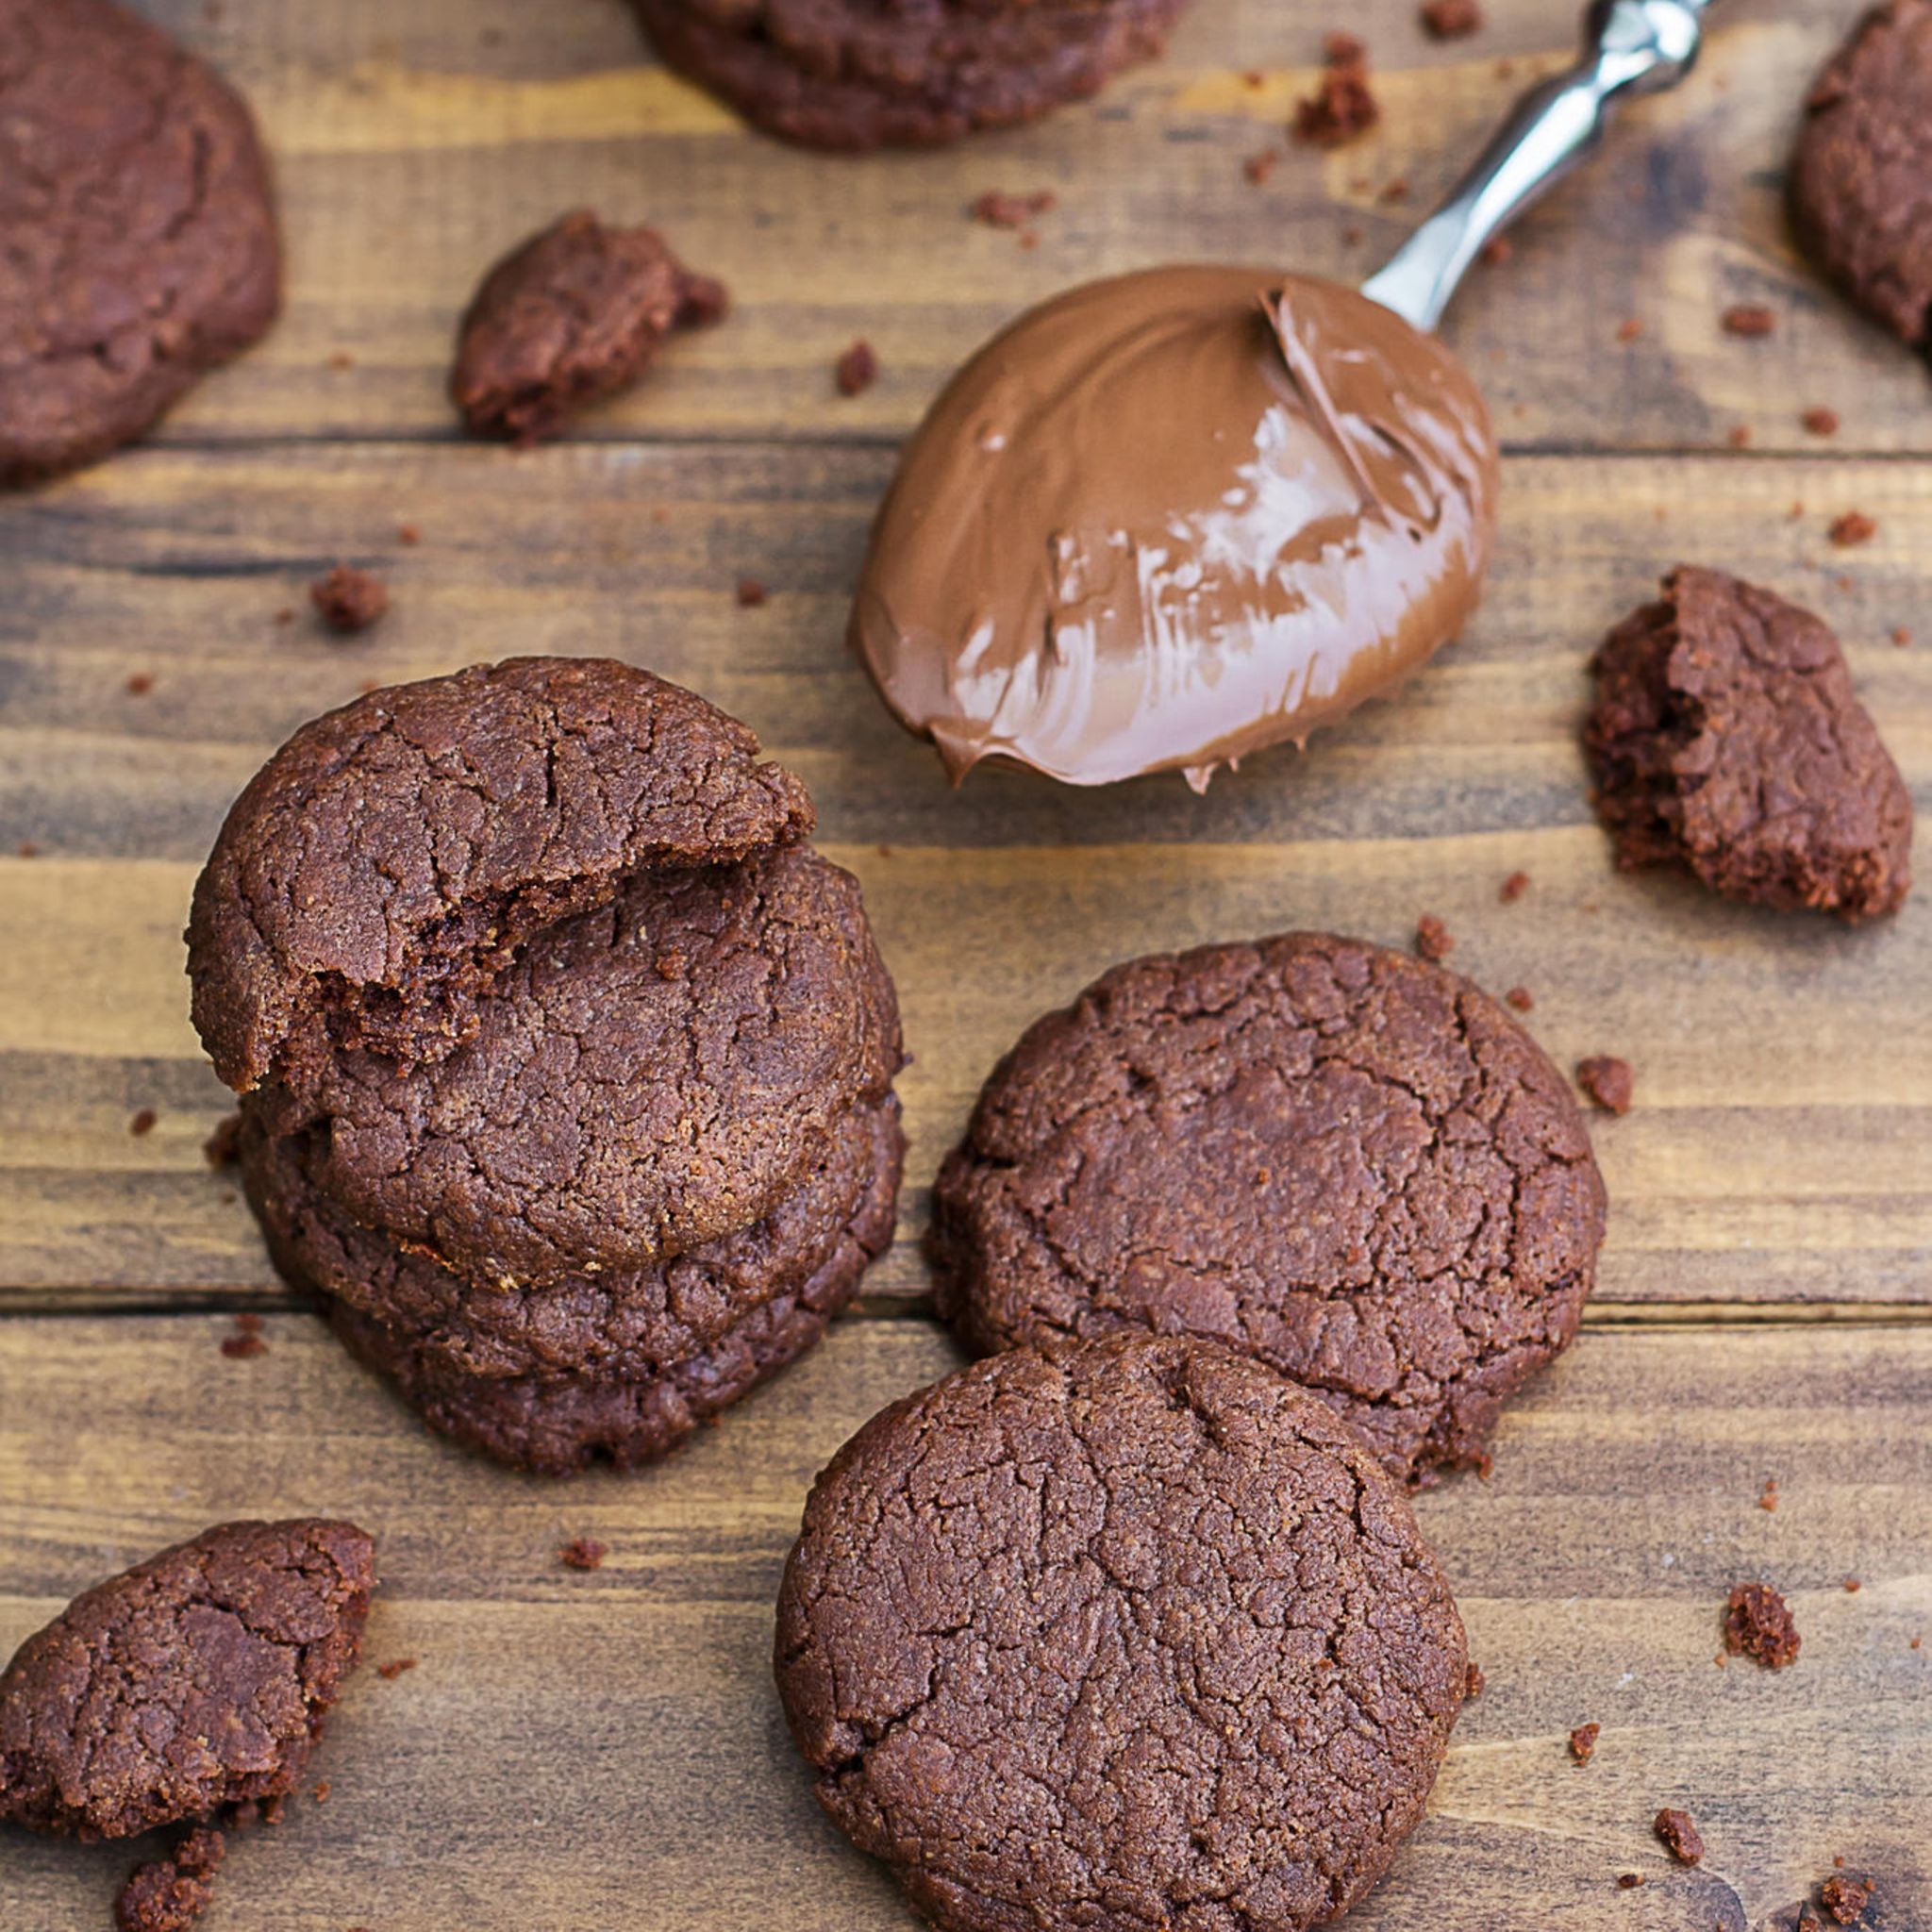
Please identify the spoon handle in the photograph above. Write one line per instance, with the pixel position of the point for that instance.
(1629, 48)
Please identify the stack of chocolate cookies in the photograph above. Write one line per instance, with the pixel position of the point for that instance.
(566, 1061)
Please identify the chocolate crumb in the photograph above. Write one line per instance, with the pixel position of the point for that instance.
(1820, 421)
(1342, 106)
(139, 683)
(1747, 319)
(1583, 1742)
(1608, 1081)
(750, 594)
(1451, 20)
(348, 600)
(1758, 1624)
(1679, 1834)
(999, 210)
(1844, 1898)
(1521, 999)
(390, 1671)
(1513, 888)
(1433, 939)
(169, 1894)
(1473, 1682)
(222, 1147)
(858, 370)
(1852, 528)
(583, 1552)
(246, 1341)
(142, 1123)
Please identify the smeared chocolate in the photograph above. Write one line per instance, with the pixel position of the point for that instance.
(1166, 519)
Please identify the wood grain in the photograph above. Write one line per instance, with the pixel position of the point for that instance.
(606, 1749)
(1785, 1066)
(415, 143)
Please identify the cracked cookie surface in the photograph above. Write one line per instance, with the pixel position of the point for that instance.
(141, 243)
(1727, 739)
(559, 1425)
(1348, 1163)
(569, 316)
(380, 872)
(1126, 1635)
(868, 73)
(644, 1078)
(629, 1325)
(195, 1680)
(1861, 177)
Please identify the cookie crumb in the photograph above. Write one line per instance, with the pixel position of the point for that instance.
(1738, 436)
(390, 1671)
(1629, 329)
(409, 535)
(341, 359)
(1513, 888)
(750, 594)
(139, 683)
(1473, 1682)
(1853, 1586)
(1679, 1834)
(1259, 167)
(1495, 251)
(999, 210)
(348, 600)
(1748, 319)
(142, 1123)
(1342, 106)
(582, 1553)
(1767, 1496)
(1758, 1624)
(246, 1341)
(1844, 1898)
(169, 1894)
(1451, 20)
(223, 1146)
(1433, 939)
(26, 849)
(319, 1794)
(1852, 528)
(1521, 999)
(1629, 1881)
(1901, 636)
(1608, 1081)
(1583, 1742)
(1820, 421)
(858, 370)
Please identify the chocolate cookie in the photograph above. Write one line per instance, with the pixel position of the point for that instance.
(558, 1425)
(568, 318)
(867, 74)
(629, 1325)
(1347, 1162)
(384, 866)
(647, 1076)
(1127, 1634)
(1726, 738)
(141, 244)
(196, 1680)
(1861, 178)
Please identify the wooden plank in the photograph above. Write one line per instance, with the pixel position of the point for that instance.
(1785, 1066)
(413, 145)
(606, 1749)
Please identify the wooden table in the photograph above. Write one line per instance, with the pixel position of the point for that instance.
(604, 1751)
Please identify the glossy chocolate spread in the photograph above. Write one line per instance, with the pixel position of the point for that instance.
(1165, 520)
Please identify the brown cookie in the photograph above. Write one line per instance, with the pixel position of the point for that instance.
(624, 1325)
(1347, 1162)
(382, 869)
(1861, 178)
(868, 73)
(644, 1078)
(196, 1680)
(558, 1425)
(141, 244)
(570, 317)
(1726, 738)
(1128, 1634)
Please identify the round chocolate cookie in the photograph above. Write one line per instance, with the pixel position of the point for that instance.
(382, 869)
(647, 1076)
(1861, 178)
(867, 74)
(626, 1325)
(1342, 1160)
(558, 1425)
(1127, 1634)
(195, 1680)
(141, 244)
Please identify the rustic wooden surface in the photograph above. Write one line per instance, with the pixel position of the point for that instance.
(603, 1750)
